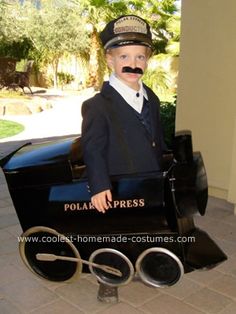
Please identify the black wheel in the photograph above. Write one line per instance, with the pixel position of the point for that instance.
(159, 267)
(113, 258)
(46, 240)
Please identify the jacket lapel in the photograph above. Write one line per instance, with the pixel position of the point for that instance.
(126, 113)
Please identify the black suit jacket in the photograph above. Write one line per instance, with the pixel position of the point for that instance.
(115, 142)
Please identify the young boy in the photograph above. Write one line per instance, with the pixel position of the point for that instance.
(121, 129)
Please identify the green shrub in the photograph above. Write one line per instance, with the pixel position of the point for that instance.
(65, 78)
(167, 112)
(16, 49)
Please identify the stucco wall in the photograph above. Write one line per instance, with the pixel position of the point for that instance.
(207, 88)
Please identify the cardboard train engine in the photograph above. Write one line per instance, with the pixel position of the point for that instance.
(148, 232)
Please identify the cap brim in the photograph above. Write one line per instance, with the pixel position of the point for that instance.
(129, 39)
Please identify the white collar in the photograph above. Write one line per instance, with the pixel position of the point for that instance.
(129, 94)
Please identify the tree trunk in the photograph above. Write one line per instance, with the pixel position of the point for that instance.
(55, 70)
(96, 62)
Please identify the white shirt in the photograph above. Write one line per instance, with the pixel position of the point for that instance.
(132, 97)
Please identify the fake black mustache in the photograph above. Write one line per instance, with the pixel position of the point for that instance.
(132, 70)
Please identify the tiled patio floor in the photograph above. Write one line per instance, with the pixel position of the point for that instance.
(212, 291)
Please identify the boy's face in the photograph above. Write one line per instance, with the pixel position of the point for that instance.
(134, 56)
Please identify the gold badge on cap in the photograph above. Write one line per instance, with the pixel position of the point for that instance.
(130, 24)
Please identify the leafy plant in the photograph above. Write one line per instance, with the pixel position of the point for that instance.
(15, 49)
(160, 77)
(167, 112)
(65, 78)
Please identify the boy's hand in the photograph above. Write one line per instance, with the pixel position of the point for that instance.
(99, 200)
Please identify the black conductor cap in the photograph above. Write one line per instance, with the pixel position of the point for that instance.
(126, 30)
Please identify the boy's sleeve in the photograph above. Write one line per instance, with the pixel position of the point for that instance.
(95, 147)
